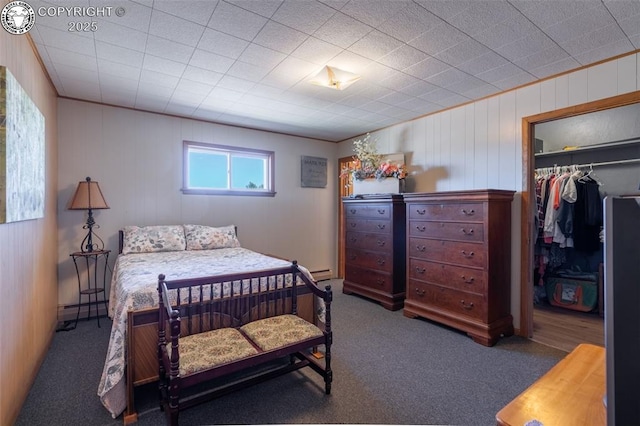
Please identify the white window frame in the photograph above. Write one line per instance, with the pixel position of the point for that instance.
(269, 156)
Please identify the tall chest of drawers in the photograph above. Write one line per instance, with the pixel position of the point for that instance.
(459, 261)
(375, 248)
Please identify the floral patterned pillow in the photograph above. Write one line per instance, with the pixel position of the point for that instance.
(148, 239)
(200, 237)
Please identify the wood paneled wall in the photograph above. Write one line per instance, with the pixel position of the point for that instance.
(28, 252)
(479, 145)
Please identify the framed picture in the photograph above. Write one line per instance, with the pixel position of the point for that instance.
(313, 172)
(22, 153)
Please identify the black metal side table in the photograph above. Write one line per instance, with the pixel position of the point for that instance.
(92, 288)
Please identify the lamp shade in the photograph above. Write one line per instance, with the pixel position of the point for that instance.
(334, 78)
(88, 196)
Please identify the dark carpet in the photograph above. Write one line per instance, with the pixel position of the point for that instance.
(388, 369)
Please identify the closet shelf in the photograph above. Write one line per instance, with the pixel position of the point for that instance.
(627, 143)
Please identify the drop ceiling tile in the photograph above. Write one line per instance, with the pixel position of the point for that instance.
(398, 112)
(165, 66)
(351, 62)
(116, 82)
(514, 81)
(194, 87)
(462, 52)
(201, 75)
(257, 55)
(278, 37)
(374, 106)
(398, 81)
(421, 106)
(296, 69)
(374, 12)
(375, 45)
(135, 15)
(481, 91)
(119, 70)
(580, 24)
(121, 36)
(409, 23)
(167, 49)
(179, 109)
(635, 40)
(452, 101)
(395, 98)
(236, 21)
(630, 25)
(439, 38)
(111, 97)
(316, 51)
(66, 41)
(151, 78)
(505, 32)
(541, 58)
(594, 39)
(303, 16)
(546, 13)
(447, 77)
(222, 44)
(191, 99)
(419, 88)
(482, 63)
(526, 46)
(369, 90)
(70, 74)
(247, 71)
(155, 93)
(481, 15)
(146, 104)
(176, 29)
(606, 51)
(79, 89)
(264, 8)
(210, 61)
(403, 57)
(446, 9)
(219, 93)
(427, 68)
(466, 84)
(555, 68)
(119, 54)
(499, 73)
(342, 30)
(200, 13)
(72, 59)
(236, 84)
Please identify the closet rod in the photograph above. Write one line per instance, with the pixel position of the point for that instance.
(609, 163)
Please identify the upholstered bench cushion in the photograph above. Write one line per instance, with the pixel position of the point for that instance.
(282, 330)
(212, 348)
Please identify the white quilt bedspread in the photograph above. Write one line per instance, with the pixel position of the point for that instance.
(134, 287)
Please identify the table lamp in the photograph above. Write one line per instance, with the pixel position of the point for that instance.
(88, 196)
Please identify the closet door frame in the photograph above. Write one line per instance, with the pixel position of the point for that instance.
(528, 207)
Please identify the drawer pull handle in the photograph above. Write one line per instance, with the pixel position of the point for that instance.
(469, 232)
(381, 243)
(420, 270)
(380, 281)
(353, 211)
(353, 257)
(353, 224)
(468, 255)
(421, 228)
(419, 292)
(421, 248)
(468, 212)
(382, 211)
(467, 306)
(380, 262)
(382, 226)
(468, 280)
(353, 239)
(421, 211)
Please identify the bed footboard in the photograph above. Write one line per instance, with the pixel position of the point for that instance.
(142, 346)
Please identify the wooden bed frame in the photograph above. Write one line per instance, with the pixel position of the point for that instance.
(142, 345)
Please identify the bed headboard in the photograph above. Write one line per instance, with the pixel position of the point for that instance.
(121, 238)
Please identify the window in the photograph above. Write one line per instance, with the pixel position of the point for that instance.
(227, 170)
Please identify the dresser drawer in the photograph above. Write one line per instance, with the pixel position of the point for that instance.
(460, 253)
(369, 225)
(374, 279)
(369, 259)
(368, 241)
(442, 298)
(382, 211)
(455, 211)
(459, 231)
(466, 279)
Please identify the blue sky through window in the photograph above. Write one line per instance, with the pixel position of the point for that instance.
(209, 170)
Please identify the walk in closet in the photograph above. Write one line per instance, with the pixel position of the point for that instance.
(578, 161)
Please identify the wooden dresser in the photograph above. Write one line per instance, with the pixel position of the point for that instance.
(458, 261)
(375, 248)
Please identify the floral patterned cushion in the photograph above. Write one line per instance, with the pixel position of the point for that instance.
(200, 237)
(201, 351)
(148, 239)
(279, 331)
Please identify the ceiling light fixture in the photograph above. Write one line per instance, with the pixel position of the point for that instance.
(334, 78)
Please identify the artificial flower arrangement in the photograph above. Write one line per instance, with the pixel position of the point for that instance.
(368, 164)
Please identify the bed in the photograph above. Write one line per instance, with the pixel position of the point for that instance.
(184, 251)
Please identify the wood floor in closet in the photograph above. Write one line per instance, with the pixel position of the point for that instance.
(565, 329)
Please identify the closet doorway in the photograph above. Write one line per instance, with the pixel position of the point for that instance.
(553, 143)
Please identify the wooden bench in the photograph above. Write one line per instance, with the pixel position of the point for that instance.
(211, 327)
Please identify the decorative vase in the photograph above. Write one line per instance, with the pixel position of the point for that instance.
(388, 185)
